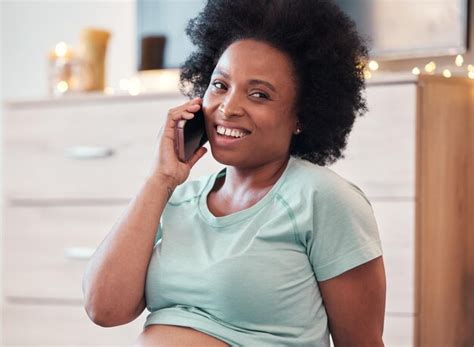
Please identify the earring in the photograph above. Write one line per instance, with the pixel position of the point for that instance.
(298, 129)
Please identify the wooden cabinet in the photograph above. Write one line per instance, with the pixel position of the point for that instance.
(72, 165)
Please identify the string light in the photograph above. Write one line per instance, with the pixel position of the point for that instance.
(367, 74)
(373, 65)
(430, 67)
(446, 73)
(415, 71)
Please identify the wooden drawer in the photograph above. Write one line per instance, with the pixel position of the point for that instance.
(44, 249)
(395, 220)
(30, 324)
(40, 146)
(380, 154)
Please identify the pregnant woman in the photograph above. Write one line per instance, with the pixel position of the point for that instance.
(275, 249)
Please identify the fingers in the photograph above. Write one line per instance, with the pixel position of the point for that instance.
(193, 107)
(185, 111)
(196, 156)
(183, 114)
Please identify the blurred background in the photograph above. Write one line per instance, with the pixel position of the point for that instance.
(85, 85)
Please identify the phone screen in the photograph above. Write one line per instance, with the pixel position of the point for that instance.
(190, 136)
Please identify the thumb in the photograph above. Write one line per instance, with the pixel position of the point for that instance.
(198, 155)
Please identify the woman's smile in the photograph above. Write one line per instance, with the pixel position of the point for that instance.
(228, 137)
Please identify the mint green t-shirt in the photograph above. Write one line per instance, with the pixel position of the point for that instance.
(250, 278)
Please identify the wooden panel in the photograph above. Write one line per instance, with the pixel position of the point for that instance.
(40, 325)
(38, 144)
(42, 248)
(380, 154)
(445, 212)
(395, 220)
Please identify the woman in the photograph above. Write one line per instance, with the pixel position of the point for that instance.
(275, 249)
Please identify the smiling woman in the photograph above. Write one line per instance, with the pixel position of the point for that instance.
(276, 248)
(280, 83)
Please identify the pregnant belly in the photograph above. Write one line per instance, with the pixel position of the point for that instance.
(172, 335)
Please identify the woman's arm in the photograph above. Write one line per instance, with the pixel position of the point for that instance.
(114, 280)
(355, 305)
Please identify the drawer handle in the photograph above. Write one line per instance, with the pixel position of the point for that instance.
(89, 152)
(78, 252)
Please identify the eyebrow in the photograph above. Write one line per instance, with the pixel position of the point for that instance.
(251, 82)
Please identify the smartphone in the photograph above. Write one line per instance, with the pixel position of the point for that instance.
(190, 135)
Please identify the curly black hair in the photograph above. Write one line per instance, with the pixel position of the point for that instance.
(328, 54)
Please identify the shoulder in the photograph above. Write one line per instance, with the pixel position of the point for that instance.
(321, 184)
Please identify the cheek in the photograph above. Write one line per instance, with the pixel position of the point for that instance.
(208, 99)
(281, 131)
(275, 135)
(278, 125)
(206, 105)
(205, 98)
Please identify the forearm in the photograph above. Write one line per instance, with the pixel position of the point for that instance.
(114, 279)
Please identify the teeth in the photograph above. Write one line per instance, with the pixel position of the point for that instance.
(230, 132)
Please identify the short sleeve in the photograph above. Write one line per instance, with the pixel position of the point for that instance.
(345, 232)
(159, 232)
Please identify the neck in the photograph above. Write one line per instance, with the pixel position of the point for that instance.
(242, 181)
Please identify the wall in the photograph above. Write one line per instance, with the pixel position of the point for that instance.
(31, 28)
(168, 17)
(408, 64)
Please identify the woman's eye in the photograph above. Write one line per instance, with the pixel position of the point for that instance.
(217, 82)
(264, 95)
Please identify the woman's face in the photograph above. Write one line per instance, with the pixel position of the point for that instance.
(251, 89)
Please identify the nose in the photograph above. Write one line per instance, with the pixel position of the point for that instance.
(231, 107)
